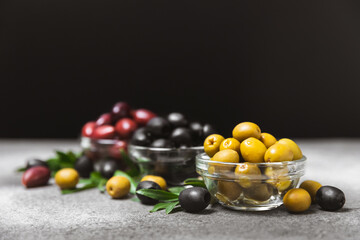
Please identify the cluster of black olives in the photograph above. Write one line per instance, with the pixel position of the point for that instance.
(174, 131)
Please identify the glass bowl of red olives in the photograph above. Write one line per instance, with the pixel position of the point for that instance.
(167, 147)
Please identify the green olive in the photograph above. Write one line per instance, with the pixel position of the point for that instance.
(278, 177)
(293, 147)
(245, 130)
(267, 139)
(247, 174)
(212, 144)
(156, 179)
(118, 187)
(230, 190)
(311, 187)
(297, 200)
(230, 143)
(252, 150)
(259, 192)
(278, 153)
(67, 178)
(227, 156)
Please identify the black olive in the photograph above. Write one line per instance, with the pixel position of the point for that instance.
(162, 143)
(147, 185)
(141, 137)
(197, 132)
(34, 162)
(194, 199)
(159, 127)
(208, 130)
(177, 120)
(181, 137)
(108, 168)
(330, 198)
(84, 166)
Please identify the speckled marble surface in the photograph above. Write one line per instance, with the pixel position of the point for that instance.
(43, 213)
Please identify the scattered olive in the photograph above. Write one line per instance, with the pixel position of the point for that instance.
(141, 137)
(159, 127)
(194, 199)
(212, 144)
(177, 120)
(181, 137)
(297, 200)
(156, 179)
(162, 143)
(84, 166)
(36, 176)
(108, 168)
(311, 187)
(67, 178)
(245, 130)
(208, 130)
(118, 186)
(35, 162)
(330, 198)
(147, 185)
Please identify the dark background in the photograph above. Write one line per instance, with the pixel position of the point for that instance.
(293, 67)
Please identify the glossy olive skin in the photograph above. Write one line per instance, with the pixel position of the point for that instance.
(278, 153)
(147, 185)
(252, 150)
(104, 119)
(84, 166)
(159, 127)
(120, 110)
(162, 143)
(141, 137)
(88, 129)
(67, 178)
(181, 137)
(125, 127)
(293, 147)
(267, 139)
(227, 156)
(104, 132)
(118, 187)
(35, 162)
(208, 129)
(212, 144)
(142, 116)
(330, 198)
(297, 200)
(230, 143)
(156, 179)
(247, 174)
(108, 168)
(177, 120)
(36, 176)
(194, 199)
(245, 130)
(311, 187)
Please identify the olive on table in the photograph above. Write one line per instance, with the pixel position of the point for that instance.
(247, 174)
(108, 168)
(104, 119)
(156, 179)
(194, 199)
(162, 143)
(230, 190)
(208, 129)
(36, 176)
(297, 200)
(267, 139)
(141, 137)
(35, 162)
(67, 178)
(118, 187)
(311, 187)
(181, 137)
(293, 147)
(104, 132)
(84, 166)
(120, 110)
(212, 144)
(230, 143)
(177, 120)
(125, 127)
(330, 198)
(245, 130)
(142, 116)
(88, 129)
(147, 185)
(278, 153)
(159, 127)
(252, 150)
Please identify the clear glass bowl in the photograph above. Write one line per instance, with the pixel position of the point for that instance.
(173, 164)
(250, 192)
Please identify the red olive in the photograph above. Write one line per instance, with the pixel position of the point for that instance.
(104, 132)
(125, 127)
(142, 116)
(88, 129)
(116, 149)
(36, 176)
(121, 110)
(104, 119)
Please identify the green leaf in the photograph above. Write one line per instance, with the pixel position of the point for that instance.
(22, 169)
(102, 185)
(85, 181)
(96, 177)
(54, 164)
(158, 194)
(196, 184)
(87, 186)
(171, 207)
(192, 180)
(135, 199)
(176, 190)
(160, 206)
(133, 183)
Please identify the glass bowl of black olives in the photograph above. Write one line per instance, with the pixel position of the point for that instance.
(167, 147)
(249, 186)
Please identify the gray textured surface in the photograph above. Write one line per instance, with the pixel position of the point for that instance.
(43, 213)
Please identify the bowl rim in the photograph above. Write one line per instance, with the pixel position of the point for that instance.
(200, 158)
(156, 149)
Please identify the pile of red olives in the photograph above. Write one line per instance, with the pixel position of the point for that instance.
(173, 131)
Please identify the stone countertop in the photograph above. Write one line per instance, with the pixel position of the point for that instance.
(43, 213)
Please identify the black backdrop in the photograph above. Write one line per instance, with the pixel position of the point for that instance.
(291, 66)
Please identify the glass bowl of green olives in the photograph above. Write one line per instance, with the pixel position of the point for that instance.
(249, 186)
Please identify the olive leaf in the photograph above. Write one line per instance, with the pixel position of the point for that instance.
(133, 182)
(176, 190)
(195, 182)
(171, 207)
(158, 194)
(86, 186)
(168, 206)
